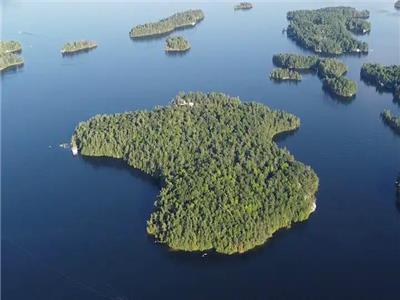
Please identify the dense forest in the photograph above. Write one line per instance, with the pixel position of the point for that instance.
(330, 70)
(329, 30)
(179, 20)
(10, 47)
(391, 120)
(280, 74)
(382, 77)
(225, 184)
(78, 46)
(8, 57)
(176, 43)
(243, 6)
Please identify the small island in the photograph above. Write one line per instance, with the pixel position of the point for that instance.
(397, 4)
(177, 44)
(179, 20)
(391, 120)
(225, 185)
(10, 60)
(329, 30)
(78, 46)
(330, 70)
(341, 86)
(280, 74)
(384, 78)
(10, 47)
(243, 6)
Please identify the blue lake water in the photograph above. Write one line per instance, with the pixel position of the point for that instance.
(74, 228)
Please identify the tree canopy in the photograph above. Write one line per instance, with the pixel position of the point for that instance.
(8, 55)
(391, 120)
(280, 74)
(78, 46)
(176, 43)
(225, 184)
(243, 6)
(10, 47)
(328, 30)
(187, 18)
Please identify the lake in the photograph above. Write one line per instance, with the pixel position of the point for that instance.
(75, 228)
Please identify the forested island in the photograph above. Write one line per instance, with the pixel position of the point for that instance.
(243, 6)
(10, 47)
(225, 184)
(397, 4)
(179, 20)
(391, 120)
(329, 30)
(280, 74)
(330, 70)
(176, 44)
(78, 46)
(382, 77)
(8, 55)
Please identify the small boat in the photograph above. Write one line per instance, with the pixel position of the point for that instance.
(204, 255)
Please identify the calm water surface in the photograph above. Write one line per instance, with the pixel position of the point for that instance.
(74, 228)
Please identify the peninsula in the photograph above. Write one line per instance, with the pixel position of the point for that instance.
(330, 70)
(243, 6)
(176, 44)
(179, 20)
(280, 74)
(329, 30)
(78, 46)
(10, 47)
(391, 120)
(384, 78)
(225, 184)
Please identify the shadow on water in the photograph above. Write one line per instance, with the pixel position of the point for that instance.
(73, 54)
(338, 99)
(119, 164)
(176, 53)
(281, 137)
(12, 70)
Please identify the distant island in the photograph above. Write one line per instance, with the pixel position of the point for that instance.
(330, 70)
(243, 6)
(8, 55)
(225, 184)
(391, 120)
(10, 47)
(397, 4)
(176, 44)
(78, 46)
(179, 20)
(280, 74)
(384, 78)
(328, 30)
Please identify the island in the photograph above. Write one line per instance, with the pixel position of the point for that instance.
(225, 185)
(243, 6)
(330, 70)
(329, 30)
(280, 74)
(10, 47)
(177, 44)
(78, 46)
(341, 86)
(165, 26)
(391, 120)
(10, 60)
(397, 4)
(384, 78)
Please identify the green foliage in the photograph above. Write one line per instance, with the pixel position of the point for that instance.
(225, 184)
(77, 46)
(177, 43)
(383, 77)
(8, 60)
(168, 25)
(285, 74)
(329, 69)
(10, 46)
(341, 86)
(391, 120)
(327, 30)
(243, 6)
(294, 61)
